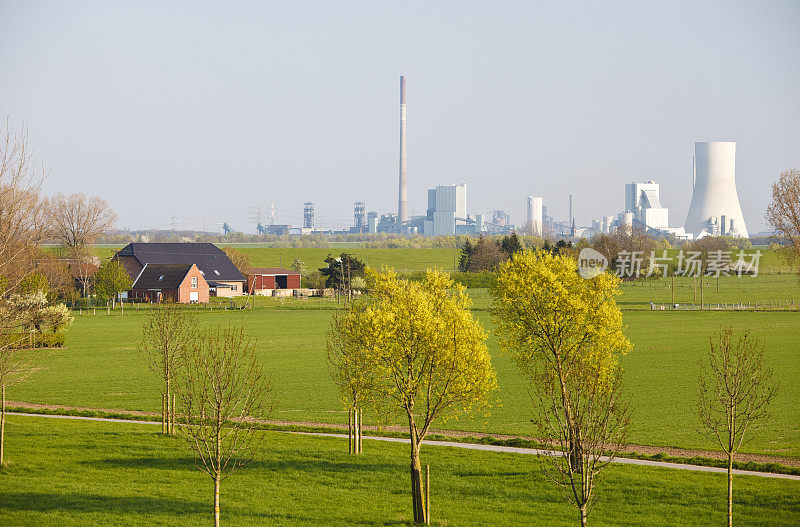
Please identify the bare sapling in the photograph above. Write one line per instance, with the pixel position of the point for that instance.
(222, 394)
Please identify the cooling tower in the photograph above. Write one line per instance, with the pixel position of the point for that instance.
(534, 218)
(714, 197)
(402, 205)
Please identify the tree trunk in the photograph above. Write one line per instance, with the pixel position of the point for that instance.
(216, 501)
(169, 413)
(360, 428)
(730, 490)
(350, 428)
(584, 515)
(3, 426)
(417, 497)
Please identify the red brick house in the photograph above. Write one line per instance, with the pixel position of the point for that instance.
(179, 283)
(263, 279)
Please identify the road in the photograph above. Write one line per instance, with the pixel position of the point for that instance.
(467, 446)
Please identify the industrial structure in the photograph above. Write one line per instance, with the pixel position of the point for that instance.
(402, 205)
(308, 215)
(359, 219)
(715, 207)
(643, 200)
(447, 207)
(534, 217)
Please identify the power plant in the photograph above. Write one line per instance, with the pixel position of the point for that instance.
(714, 209)
(715, 206)
(402, 205)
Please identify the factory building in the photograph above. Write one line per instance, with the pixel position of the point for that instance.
(447, 208)
(643, 200)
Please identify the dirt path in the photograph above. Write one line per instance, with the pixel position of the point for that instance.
(628, 449)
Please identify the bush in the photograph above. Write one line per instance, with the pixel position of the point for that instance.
(82, 303)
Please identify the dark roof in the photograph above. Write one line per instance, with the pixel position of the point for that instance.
(161, 276)
(210, 259)
(270, 270)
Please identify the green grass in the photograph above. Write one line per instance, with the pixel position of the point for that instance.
(92, 473)
(101, 368)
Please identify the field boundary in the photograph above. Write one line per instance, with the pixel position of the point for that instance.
(756, 464)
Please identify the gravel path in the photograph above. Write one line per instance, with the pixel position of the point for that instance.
(467, 446)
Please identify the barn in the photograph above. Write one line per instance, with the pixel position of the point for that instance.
(179, 283)
(264, 280)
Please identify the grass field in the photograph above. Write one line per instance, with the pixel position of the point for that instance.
(101, 368)
(92, 473)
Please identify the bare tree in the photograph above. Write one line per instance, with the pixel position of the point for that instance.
(222, 390)
(783, 213)
(22, 226)
(735, 392)
(588, 421)
(167, 334)
(77, 220)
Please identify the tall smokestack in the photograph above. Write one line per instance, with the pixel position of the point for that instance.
(402, 206)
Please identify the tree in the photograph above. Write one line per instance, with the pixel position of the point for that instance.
(485, 255)
(510, 245)
(783, 213)
(77, 220)
(167, 334)
(734, 395)
(339, 271)
(23, 226)
(427, 356)
(298, 266)
(239, 258)
(350, 361)
(565, 333)
(222, 391)
(111, 279)
(466, 255)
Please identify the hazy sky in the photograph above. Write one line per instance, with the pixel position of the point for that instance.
(208, 109)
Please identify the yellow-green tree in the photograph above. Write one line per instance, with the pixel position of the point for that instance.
(349, 355)
(426, 356)
(565, 333)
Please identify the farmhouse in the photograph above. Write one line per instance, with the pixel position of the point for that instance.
(223, 278)
(182, 283)
(264, 280)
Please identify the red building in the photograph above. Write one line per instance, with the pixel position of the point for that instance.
(179, 283)
(269, 278)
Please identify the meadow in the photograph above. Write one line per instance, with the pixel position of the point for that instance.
(92, 473)
(101, 367)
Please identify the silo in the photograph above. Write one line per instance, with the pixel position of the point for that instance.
(714, 195)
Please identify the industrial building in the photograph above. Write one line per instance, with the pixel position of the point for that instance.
(447, 207)
(643, 200)
(715, 207)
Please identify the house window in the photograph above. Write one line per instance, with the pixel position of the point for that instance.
(234, 287)
(216, 272)
(194, 282)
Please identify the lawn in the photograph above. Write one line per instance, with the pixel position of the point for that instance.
(101, 368)
(94, 473)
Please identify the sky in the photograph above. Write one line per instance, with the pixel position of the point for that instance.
(199, 112)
